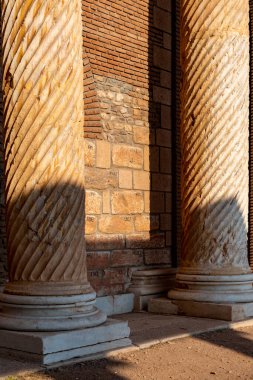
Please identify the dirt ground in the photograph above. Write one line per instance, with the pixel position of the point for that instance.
(226, 354)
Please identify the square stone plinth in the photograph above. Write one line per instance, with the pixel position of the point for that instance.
(52, 347)
(227, 312)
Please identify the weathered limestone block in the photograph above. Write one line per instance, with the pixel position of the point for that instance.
(93, 202)
(90, 224)
(89, 153)
(116, 224)
(128, 156)
(127, 202)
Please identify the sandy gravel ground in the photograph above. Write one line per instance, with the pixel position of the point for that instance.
(226, 354)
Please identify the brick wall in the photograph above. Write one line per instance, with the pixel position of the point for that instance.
(127, 45)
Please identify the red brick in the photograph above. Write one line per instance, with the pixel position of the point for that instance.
(106, 289)
(166, 117)
(163, 137)
(157, 256)
(162, 58)
(161, 182)
(157, 202)
(167, 41)
(145, 240)
(115, 276)
(162, 95)
(162, 20)
(95, 278)
(154, 159)
(165, 4)
(166, 160)
(168, 238)
(98, 260)
(168, 202)
(166, 222)
(126, 258)
(165, 79)
(105, 242)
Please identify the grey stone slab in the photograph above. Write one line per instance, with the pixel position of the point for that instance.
(85, 351)
(123, 303)
(162, 306)
(105, 304)
(63, 345)
(152, 281)
(146, 331)
(119, 304)
(141, 302)
(226, 312)
(150, 329)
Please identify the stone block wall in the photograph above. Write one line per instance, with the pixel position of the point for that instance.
(127, 95)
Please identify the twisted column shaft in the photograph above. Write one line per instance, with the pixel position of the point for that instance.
(215, 93)
(43, 107)
(44, 155)
(215, 146)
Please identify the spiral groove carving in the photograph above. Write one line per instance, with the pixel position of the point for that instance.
(214, 135)
(43, 110)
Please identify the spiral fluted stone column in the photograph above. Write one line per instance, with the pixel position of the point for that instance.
(43, 112)
(215, 148)
(48, 302)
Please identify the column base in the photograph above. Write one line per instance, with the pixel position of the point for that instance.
(219, 297)
(227, 312)
(53, 347)
(49, 313)
(217, 289)
(150, 283)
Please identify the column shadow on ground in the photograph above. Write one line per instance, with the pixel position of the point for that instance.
(103, 369)
(233, 340)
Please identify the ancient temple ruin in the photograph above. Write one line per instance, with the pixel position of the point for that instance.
(126, 168)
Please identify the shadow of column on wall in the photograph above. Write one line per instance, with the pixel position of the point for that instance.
(161, 140)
